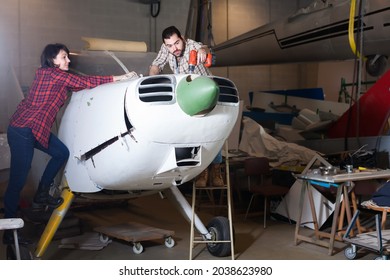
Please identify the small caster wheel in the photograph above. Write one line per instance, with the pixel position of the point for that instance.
(169, 242)
(138, 248)
(350, 253)
(381, 258)
(104, 238)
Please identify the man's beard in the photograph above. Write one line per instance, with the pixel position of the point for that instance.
(178, 53)
(182, 50)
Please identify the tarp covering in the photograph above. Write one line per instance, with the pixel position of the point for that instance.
(257, 142)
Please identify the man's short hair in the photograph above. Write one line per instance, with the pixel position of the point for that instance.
(169, 31)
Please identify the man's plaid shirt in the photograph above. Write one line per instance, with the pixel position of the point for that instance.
(180, 66)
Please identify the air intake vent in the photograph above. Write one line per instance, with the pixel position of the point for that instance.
(189, 156)
(156, 89)
(227, 91)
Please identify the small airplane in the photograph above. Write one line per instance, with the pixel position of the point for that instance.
(143, 136)
(324, 30)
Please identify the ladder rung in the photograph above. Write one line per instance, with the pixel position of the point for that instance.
(217, 241)
(211, 188)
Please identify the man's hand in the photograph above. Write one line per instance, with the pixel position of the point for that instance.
(154, 70)
(202, 55)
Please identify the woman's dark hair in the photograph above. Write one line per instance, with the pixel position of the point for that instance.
(50, 52)
(169, 31)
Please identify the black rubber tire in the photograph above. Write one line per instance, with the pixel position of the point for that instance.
(220, 231)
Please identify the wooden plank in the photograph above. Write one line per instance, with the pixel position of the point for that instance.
(370, 240)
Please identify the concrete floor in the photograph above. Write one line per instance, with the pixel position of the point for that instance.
(252, 241)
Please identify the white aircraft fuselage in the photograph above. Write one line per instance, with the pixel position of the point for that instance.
(143, 136)
(135, 135)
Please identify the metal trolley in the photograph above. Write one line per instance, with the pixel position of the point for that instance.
(377, 241)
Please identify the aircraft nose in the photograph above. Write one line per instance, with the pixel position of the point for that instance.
(197, 96)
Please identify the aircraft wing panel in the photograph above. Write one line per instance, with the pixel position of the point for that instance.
(314, 35)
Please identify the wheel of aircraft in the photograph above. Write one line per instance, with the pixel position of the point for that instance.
(220, 231)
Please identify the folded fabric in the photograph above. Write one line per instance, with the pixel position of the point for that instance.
(382, 196)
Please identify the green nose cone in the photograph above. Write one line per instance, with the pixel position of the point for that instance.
(197, 96)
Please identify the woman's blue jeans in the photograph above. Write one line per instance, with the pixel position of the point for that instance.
(22, 144)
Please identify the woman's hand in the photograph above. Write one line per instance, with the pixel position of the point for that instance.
(130, 75)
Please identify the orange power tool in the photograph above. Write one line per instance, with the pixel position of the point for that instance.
(193, 61)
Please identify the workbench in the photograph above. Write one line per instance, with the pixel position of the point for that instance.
(344, 183)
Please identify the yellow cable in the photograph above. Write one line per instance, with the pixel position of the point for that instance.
(351, 28)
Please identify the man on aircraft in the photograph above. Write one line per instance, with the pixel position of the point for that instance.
(175, 50)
